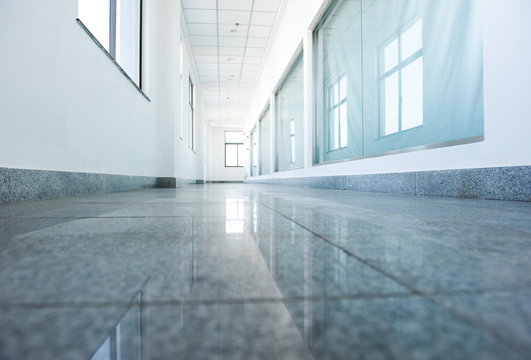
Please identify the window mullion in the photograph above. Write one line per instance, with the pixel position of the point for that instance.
(112, 28)
(399, 82)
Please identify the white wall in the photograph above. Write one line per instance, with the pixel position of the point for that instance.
(507, 77)
(216, 170)
(65, 106)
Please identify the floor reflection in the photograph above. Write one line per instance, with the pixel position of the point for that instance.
(234, 216)
(128, 339)
(257, 272)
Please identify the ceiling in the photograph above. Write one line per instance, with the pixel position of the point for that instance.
(229, 39)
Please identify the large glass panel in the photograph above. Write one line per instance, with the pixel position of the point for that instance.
(338, 83)
(254, 153)
(95, 16)
(413, 77)
(265, 152)
(289, 120)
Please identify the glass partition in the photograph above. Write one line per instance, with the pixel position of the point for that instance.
(254, 153)
(290, 119)
(265, 148)
(396, 74)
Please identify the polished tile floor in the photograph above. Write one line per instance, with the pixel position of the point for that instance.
(230, 271)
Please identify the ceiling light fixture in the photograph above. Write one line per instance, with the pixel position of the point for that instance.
(233, 30)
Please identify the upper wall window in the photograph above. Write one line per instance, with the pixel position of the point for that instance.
(410, 76)
(234, 150)
(401, 82)
(117, 25)
(290, 119)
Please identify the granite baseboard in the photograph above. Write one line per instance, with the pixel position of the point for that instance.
(500, 183)
(24, 184)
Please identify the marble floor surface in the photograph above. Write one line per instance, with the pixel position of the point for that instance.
(237, 271)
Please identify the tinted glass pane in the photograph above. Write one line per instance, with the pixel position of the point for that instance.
(412, 40)
(343, 88)
(391, 104)
(343, 125)
(412, 95)
(289, 119)
(391, 55)
(334, 129)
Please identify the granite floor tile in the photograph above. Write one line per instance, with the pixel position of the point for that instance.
(505, 312)
(264, 272)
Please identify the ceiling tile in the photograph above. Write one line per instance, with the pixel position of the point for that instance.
(263, 18)
(199, 4)
(230, 59)
(200, 16)
(202, 29)
(257, 42)
(232, 30)
(206, 58)
(233, 17)
(235, 4)
(235, 51)
(249, 74)
(260, 31)
(231, 67)
(231, 41)
(250, 67)
(203, 41)
(207, 73)
(266, 5)
(205, 50)
(207, 66)
(255, 51)
(252, 60)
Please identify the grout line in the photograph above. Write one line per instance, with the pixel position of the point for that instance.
(430, 297)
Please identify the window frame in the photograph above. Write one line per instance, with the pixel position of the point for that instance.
(111, 51)
(397, 69)
(238, 146)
